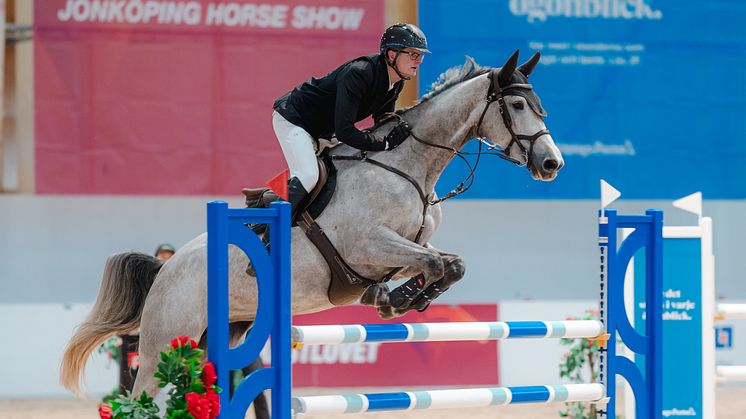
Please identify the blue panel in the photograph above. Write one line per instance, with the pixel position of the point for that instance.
(682, 322)
(388, 401)
(385, 332)
(635, 90)
(527, 329)
(529, 394)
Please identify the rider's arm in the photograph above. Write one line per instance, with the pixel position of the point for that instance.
(352, 84)
(390, 106)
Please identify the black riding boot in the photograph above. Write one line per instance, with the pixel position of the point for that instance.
(296, 195)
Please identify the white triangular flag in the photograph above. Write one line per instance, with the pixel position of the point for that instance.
(609, 194)
(690, 203)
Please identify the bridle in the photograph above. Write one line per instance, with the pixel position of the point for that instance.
(495, 93)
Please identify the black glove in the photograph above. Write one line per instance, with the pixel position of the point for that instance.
(397, 135)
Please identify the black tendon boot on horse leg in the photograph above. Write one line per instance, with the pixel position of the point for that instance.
(296, 196)
(402, 296)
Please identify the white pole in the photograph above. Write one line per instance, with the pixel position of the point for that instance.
(731, 311)
(731, 372)
(708, 320)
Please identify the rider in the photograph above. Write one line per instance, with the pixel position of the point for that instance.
(331, 105)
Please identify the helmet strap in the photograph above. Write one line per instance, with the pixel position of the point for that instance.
(392, 64)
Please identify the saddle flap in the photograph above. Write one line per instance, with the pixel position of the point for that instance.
(320, 185)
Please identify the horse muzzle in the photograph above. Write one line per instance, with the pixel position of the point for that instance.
(546, 161)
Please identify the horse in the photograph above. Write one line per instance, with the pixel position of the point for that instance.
(379, 219)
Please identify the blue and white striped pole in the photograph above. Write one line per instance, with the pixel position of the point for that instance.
(452, 331)
(442, 399)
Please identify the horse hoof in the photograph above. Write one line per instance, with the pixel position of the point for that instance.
(386, 312)
(375, 295)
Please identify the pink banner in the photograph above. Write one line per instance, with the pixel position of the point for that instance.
(175, 97)
(397, 364)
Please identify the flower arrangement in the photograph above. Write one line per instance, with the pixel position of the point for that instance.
(578, 365)
(194, 394)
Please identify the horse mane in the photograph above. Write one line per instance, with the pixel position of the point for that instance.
(454, 76)
(446, 80)
(450, 78)
(459, 74)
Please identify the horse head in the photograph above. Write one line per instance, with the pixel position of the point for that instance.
(516, 120)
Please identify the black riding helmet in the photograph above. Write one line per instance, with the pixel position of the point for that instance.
(399, 37)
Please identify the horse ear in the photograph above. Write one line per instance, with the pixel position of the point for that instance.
(527, 67)
(506, 71)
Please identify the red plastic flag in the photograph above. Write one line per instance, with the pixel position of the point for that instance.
(279, 184)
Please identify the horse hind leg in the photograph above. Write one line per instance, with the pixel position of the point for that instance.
(154, 340)
(145, 380)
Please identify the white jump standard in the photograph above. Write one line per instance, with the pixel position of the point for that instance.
(227, 227)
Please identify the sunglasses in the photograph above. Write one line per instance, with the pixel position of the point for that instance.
(414, 55)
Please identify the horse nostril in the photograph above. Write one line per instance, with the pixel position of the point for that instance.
(551, 165)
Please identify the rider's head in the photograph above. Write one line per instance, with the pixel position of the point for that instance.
(402, 45)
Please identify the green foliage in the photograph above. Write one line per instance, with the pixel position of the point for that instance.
(113, 394)
(579, 366)
(140, 408)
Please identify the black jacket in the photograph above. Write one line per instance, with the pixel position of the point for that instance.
(332, 104)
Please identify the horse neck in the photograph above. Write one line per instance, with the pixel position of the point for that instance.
(449, 120)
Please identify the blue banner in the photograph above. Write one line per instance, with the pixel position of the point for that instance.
(649, 95)
(682, 325)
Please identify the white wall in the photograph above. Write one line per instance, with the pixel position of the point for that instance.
(525, 362)
(33, 340)
(52, 248)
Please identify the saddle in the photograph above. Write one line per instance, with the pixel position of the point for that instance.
(346, 285)
(315, 202)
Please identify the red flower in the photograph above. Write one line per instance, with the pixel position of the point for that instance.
(182, 341)
(208, 374)
(104, 411)
(214, 400)
(197, 407)
(203, 406)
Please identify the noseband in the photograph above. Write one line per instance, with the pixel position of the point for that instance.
(495, 93)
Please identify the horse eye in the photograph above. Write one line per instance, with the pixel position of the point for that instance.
(518, 105)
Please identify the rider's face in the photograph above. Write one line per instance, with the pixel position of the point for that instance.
(409, 61)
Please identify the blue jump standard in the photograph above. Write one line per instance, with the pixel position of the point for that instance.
(227, 226)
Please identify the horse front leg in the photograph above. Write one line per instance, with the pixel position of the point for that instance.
(414, 294)
(455, 268)
(388, 249)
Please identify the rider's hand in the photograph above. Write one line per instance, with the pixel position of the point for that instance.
(397, 135)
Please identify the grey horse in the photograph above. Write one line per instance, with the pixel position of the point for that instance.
(372, 219)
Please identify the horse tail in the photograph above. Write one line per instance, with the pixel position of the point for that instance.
(126, 281)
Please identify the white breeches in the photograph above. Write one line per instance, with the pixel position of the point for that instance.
(298, 148)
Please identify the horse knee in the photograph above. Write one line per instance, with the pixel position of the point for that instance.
(454, 270)
(435, 269)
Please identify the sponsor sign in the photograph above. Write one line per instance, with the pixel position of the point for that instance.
(643, 93)
(175, 97)
(397, 364)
